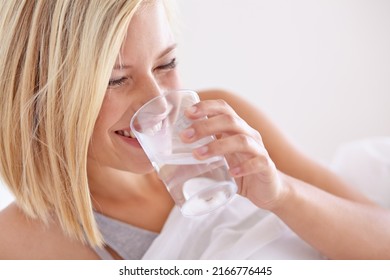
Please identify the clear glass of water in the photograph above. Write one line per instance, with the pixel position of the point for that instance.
(197, 187)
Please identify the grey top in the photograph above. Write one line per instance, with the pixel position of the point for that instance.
(127, 241)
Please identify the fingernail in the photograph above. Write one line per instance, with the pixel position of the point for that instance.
(192, 109)
(202, 150)
(235, 171)
(189, 133)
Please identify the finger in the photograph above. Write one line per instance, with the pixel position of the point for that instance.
(229, 124)
(238, 143)
(209, 108)
(261, 165)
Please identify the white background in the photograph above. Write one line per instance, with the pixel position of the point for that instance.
(283, 269)
(320, 69)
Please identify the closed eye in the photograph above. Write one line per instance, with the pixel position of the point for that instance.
(171, 65)
(117, 82)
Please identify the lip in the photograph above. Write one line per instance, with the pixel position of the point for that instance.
(130, 141)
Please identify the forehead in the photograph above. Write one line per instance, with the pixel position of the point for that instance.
(149, 32)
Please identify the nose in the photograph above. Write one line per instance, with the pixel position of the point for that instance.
(152, 108)
(150, 89)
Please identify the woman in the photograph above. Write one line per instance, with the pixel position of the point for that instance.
(66, 101)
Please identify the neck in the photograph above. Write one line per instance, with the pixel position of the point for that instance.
(140, 200)
(116, 185)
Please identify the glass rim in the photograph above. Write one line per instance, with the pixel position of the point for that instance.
(165, 93)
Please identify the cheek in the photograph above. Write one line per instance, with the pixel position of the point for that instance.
(104, 116)
(100, 136)
(171, 80)
(108, 115)
(99, 140)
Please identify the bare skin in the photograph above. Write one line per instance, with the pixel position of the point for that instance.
(269, 171)
(302, 206)
(24, 238)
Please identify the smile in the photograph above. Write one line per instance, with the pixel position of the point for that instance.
(125, 133)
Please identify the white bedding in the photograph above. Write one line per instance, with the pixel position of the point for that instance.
(242, 231)
(238, 231)
(5, 196)
(365, 165)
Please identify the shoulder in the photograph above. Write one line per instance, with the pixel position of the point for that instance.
(243, 106)
(285, 155)
(249, 112)
(220, 94)
(13, 234)
(24, 238)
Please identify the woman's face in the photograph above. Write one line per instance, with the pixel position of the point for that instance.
(145, 68)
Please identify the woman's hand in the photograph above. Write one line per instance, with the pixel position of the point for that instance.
(255, 173)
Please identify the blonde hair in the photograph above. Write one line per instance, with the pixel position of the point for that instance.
(56, 58)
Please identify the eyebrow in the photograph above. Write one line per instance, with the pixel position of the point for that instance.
(119, 66)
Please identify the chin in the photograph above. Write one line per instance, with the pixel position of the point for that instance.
(141, 168)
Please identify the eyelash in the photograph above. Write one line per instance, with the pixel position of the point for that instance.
(121, 81)
(118, 82)
(171, 65)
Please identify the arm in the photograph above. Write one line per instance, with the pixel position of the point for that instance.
(24, 238)
(339, 228)
(286, 157)
(331, 216)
